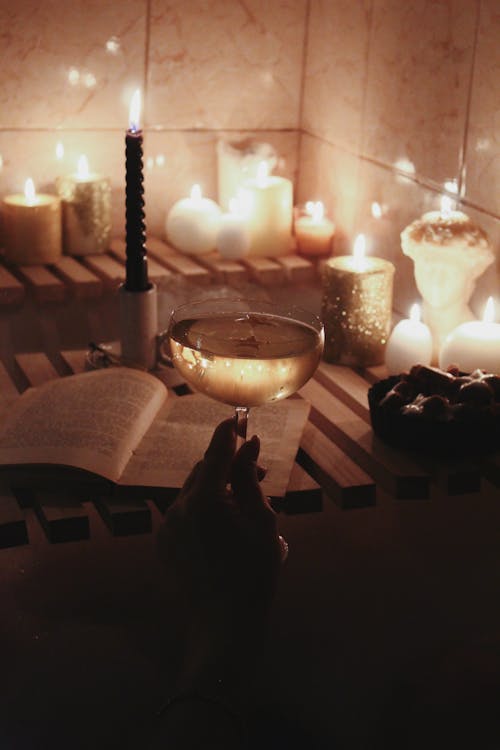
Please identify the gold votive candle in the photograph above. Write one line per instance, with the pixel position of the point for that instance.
(86, 198)
(31, 227)
(356, 309)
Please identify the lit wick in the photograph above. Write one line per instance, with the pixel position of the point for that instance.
(136, 262)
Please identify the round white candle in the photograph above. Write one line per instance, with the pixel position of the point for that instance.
(267, 204)
(314, 231)
(410, 343)
(192, 223)
(474, 345)
(86, 200)
(32, 227)
(233, 237)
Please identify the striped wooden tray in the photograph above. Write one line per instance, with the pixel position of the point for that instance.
(93, 275)
(339, 458)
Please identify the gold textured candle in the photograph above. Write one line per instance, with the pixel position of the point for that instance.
(32, 227)
(86, 200)
(357, 307)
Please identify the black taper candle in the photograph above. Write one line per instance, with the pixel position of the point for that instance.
(136, 263)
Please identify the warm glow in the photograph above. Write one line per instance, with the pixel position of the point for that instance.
(489, 311)
(135, 112)
(59, 150)
(196, 193)
(415, 313)
(359, 251)
(29, 191)
(376, 209)
(262, 173)
(446, 206)
(83, 167)
(309, 207)
(318, 211)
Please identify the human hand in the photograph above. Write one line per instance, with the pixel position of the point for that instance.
(220, 543)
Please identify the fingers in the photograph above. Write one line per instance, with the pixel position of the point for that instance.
(245, 476)
(209, 477)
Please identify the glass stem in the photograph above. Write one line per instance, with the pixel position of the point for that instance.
(241, 425)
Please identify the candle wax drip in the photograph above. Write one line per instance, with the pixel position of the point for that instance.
(136, 262)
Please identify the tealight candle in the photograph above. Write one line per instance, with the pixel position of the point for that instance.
(86, 200)
(193, 223)
(450, 252)
(474, 345)
(32, 227)
(267, 204)
(233, 238)
(357, 307)
(410, 343)
(314, 231)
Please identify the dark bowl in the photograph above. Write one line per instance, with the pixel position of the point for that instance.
(471, 431)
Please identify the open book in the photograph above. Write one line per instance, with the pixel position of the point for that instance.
(123, 426)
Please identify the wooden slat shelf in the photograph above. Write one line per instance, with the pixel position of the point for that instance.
(339, 459)
(88, 276)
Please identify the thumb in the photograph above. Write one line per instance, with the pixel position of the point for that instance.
(245, 476)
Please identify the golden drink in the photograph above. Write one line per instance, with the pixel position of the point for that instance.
(245, 359)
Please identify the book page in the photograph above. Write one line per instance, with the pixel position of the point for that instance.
(182, 431)
(91, 421)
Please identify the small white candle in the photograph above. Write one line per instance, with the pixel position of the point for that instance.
(32, 227)
(410, 343)
(233, 237)
(314, 231)
(474, 345)
(192, 223)
(267, 203)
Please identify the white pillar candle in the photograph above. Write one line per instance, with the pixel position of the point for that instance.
(267, 204)
(233, 237)
(32, 227)
(237, 162)
(410, 343)
(192, 223)
(314, 231)
(86, 198)
(474, 345)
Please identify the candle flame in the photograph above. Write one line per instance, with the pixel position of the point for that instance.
(359, 251)
(415, 313)
(318, 211)
(29, 191)
(59, 150)
(309, 207)
(376, 210)
(83, 167)
(135, 112)
(489, 311)
(446, 206)
(196, 193)
(262, 173)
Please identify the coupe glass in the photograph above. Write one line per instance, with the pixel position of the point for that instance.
(245, 352)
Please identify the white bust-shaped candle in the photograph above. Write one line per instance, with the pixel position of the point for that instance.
(193, 223)
(450, 252)
(474, 345)
(410, 343)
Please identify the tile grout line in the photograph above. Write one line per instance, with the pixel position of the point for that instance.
(146, 59)
(462, 174)
(300, 131)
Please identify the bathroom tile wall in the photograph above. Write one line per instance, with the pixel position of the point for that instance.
(364, 100)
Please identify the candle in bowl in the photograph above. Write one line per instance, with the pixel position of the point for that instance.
(193, 223)
(313, 230)
(357, 307)
(233, 237)
(86, 201)
(410, 343)
(450, 252)
(474, 345)
(32, 227)
(267, 203)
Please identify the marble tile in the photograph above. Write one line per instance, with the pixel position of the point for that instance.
(482, 183)
(223, 64)
(70, 64)
(335, 73)
(330, 174)
(419, 72)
